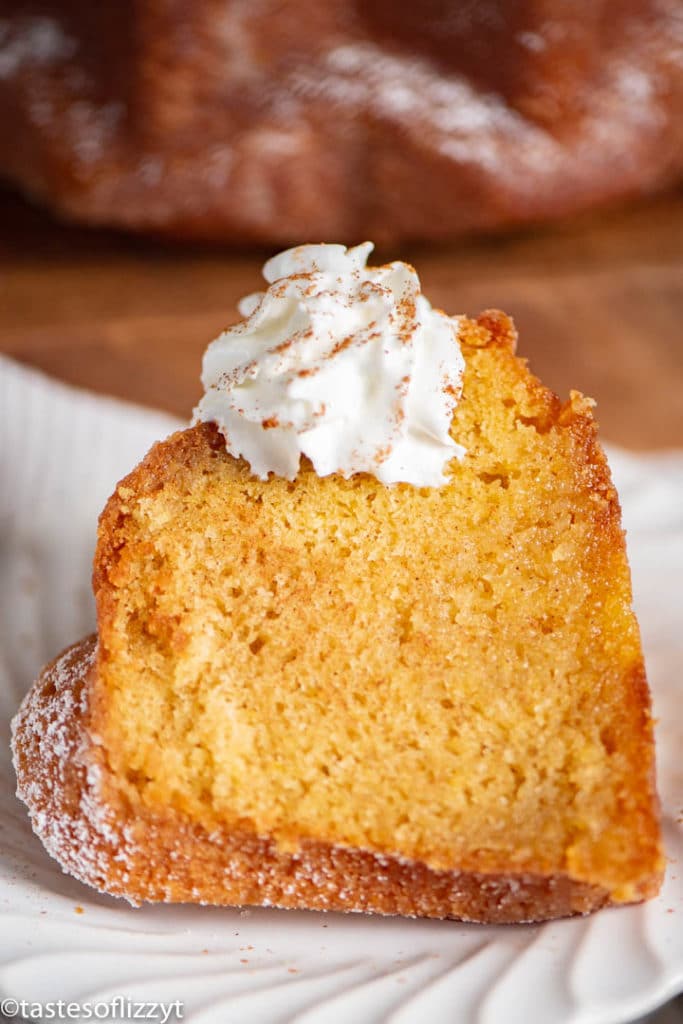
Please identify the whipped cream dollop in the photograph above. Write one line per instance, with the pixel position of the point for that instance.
(344, 363)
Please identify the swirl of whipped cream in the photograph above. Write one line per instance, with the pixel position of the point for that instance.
(344, 363)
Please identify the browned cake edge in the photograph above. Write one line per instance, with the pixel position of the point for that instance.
(142, 855)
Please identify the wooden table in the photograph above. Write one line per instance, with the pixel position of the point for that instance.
(598, 304)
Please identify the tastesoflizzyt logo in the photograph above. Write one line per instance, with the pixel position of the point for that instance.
(117, 1009)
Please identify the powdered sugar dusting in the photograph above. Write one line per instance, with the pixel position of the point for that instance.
(463, 123)
(446, 112)
(32, 40)
(51, 756)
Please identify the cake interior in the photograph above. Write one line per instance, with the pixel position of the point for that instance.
(453, 675)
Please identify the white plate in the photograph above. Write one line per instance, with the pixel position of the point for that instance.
(60, 454)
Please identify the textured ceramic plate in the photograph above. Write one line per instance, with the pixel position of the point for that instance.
(60, 453)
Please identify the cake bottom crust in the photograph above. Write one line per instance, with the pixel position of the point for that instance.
(141, 854)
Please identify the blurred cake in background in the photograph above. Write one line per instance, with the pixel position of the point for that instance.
(267, 121)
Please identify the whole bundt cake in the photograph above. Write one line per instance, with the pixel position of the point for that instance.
(273, 121)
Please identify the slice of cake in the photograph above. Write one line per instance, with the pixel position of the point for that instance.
(365, 637)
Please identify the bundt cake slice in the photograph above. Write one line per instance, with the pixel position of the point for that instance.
(331, 693)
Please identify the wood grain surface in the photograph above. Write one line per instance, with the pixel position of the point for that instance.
(598, 305)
